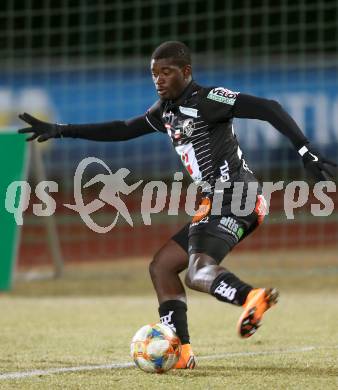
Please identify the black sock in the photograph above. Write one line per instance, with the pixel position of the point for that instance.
(228, 288)
(174, 314)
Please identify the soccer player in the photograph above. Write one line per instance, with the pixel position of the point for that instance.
(198, 121)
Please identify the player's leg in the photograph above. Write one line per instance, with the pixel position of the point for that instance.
(164, 270)
(205, 273)
(209, 244)
(168, 262)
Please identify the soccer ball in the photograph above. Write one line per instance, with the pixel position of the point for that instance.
(155, 348)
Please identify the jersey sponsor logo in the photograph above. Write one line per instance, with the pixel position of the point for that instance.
(225, 291)
(189, 111)
(231, 226)
(188, 127)
(240, 232)
(223, 95)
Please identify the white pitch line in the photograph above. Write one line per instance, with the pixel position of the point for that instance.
(50, 371)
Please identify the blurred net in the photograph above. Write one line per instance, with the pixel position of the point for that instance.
(87, 61)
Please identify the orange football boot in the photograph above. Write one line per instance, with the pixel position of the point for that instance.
(187, 358)
(258, 301)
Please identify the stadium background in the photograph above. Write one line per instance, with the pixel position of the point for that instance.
(88, 61)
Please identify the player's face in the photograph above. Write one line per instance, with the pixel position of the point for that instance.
(170, 80)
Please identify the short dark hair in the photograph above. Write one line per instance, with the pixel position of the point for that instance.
(178, 51)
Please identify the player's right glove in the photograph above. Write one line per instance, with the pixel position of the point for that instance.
(41, 130)
(319, 167)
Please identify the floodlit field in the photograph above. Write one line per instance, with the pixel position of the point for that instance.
(85, 321)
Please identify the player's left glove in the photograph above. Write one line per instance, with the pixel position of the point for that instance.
(319, 167)
(41, 130)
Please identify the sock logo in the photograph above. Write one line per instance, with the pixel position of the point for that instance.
(166, 320)
(226, 291)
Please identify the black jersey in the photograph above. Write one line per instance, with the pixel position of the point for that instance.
(199, 124)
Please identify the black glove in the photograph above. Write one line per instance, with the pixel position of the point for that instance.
(319, 167)
(41, 130)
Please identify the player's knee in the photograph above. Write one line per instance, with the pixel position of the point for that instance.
(167, 262)
(158, 265)
(199, 267)
(190, 278)
(154, 266)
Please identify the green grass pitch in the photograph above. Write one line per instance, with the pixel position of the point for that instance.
(83, 320)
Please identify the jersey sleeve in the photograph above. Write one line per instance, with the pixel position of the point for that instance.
(153, 117)
(109, 131)
(253, 107)
(217, 104)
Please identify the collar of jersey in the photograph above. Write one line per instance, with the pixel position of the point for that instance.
(189, 89)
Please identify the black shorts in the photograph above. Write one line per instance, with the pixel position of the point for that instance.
(217, 235)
